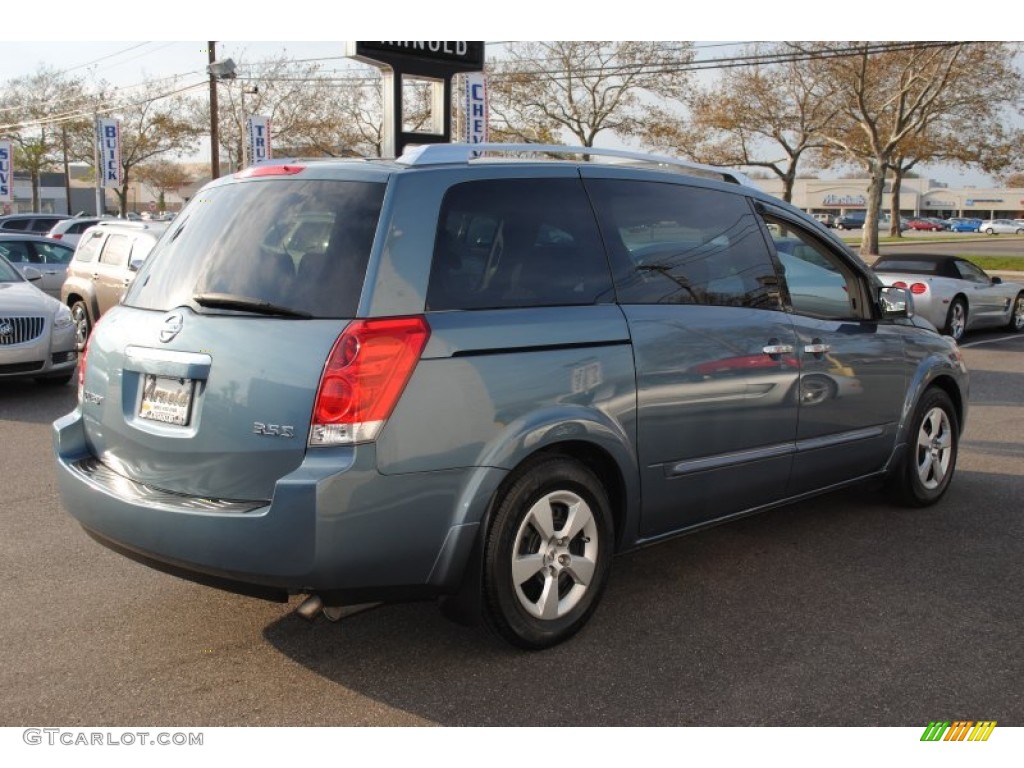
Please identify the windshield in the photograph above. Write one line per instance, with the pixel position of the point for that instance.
(298, 247)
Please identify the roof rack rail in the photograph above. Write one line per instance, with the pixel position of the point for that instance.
(440, 154)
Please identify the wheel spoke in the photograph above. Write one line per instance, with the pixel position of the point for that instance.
(582, 570)
(924, 467)
(548, 600)
(540, 517)
(579, 517)
(525, 567)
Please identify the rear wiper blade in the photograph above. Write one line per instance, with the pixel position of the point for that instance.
(245, 304)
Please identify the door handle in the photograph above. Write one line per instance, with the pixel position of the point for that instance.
(778, 349)
(817, 348)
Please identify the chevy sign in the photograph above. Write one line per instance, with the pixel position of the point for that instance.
(108, 132)
(474, 107)
(6, 171)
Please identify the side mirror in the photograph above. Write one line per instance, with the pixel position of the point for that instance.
(31, 274)
(136, 264)
(895, 302)
(997, 281)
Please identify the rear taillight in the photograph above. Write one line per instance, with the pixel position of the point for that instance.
(899, 284)
(81, 372)
(57, 237)
(919, 288)
(365, 374)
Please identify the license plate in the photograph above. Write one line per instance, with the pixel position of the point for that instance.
(166, 399)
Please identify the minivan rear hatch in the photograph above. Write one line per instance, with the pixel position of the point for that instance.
(204, 381)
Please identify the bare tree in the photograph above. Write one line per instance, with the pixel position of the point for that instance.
(768, 115)
(542, 90)
(154, 124)
(312, 112)
(164, 176)
(891, 97)
(42, 114)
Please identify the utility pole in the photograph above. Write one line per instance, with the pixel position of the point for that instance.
(67, 171)
(101, 193)
(214, 131)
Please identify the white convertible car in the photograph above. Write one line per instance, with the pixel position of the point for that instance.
(954, 294)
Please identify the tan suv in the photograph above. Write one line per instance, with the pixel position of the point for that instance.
(105, 262)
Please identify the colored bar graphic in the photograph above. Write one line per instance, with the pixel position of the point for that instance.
(958, 730)
(982, 730)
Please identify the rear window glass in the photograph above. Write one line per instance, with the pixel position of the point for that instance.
(297, 245)
(908, 265)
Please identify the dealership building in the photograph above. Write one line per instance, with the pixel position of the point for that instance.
(918, 197)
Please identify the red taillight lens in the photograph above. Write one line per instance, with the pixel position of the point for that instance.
(56, 237)
(919, 288)
(899, 284)
(364, 376)
(81, 371)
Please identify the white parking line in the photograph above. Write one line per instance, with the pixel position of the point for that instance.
(1011, 337)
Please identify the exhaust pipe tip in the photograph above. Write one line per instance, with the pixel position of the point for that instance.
(311, 607)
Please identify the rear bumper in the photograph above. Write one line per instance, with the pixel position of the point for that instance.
(334, 526)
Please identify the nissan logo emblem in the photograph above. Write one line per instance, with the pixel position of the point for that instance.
(172, 325)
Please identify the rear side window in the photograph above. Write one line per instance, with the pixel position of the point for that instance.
(300, 246)
(53, 254)
(517, 243)
(678, 244)
(89, 247)
(115, 252)
(972, 273)
(43, 225)
(16, 253)
(15, 225)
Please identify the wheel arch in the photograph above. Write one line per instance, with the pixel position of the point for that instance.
(91, 306)
(622, 487)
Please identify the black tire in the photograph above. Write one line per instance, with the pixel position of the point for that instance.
(956, 319)
(83, 325)
(929, 458)
(1016, 324)
(531, 527)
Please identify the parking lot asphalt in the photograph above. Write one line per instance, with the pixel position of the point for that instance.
(842, 610)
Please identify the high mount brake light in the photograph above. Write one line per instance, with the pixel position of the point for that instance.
(365, 374)
(270, 170)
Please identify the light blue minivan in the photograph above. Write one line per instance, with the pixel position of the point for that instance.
(475, 375)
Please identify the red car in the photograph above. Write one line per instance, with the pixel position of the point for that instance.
(924, 225)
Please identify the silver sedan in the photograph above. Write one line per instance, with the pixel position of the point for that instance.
(1001, 227)
(37, 337)
(954, 294)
